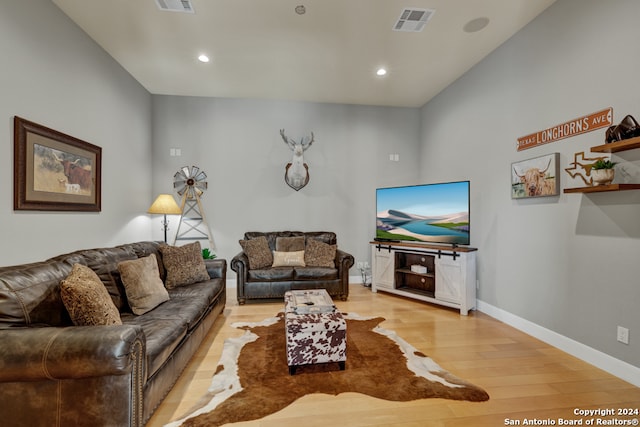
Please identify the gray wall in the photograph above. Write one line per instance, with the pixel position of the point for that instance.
(53, 74)
(567, 263)
(238, 144)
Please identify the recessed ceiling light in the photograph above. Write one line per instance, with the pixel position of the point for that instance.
(476, 25)
(203, 58)
(381, 72)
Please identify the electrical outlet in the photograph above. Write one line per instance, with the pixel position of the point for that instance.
(623, 335)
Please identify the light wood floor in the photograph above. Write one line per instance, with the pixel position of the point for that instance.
(526, 378)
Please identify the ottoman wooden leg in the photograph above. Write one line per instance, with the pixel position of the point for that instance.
(292, 370)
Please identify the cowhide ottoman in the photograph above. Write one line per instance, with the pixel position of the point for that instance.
(315, 330)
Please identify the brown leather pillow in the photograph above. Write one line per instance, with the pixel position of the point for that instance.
(141, 278)
(258, 252)
(319, 254)
(86, 299)
(290, 244)
(184, 264)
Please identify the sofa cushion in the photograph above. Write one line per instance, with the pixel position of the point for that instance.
(86, 298)
(316, 273)
(258, 252)
(167, 325)
(328, 237)
(184, 264)
(164, 330)
(290, 244)
(141, 279)
(272, 236)
(30, 294)
(143, 249)
(319, 254)
(271, 274)
(288, 259)
(194, 300)
(104, 261)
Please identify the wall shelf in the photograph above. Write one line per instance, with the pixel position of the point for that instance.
(603, 188)
(614, 147)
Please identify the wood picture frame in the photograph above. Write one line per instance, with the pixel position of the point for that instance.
(536, 177)
(53, 171)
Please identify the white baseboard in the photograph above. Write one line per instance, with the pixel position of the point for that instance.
(590, 355)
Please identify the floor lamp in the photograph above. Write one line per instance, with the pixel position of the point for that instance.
(165, 205)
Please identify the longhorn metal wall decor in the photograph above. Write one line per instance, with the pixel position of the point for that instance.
(296, 173)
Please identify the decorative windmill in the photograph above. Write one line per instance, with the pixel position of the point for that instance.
(190, 183)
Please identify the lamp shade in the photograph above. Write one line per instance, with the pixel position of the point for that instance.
(165, 204)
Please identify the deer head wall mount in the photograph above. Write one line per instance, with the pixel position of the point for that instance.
(296, 173)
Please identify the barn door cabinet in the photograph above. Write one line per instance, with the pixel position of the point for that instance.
(436, 274)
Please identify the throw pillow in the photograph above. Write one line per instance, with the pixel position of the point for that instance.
(319, 254)
(184, 264)
(258, 252)
(86, 299)
(288, 259)
(290, 244)
(141, 278)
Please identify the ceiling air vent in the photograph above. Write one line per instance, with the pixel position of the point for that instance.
(413, 20)
(175, 6)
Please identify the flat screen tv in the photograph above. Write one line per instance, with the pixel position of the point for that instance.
(430, 213)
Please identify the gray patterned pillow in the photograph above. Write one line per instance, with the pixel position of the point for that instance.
(184, 264)
(141, 279)
(319, 254)
(86, 299)
(258, 252)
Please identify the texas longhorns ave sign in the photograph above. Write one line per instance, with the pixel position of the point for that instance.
(584, 124)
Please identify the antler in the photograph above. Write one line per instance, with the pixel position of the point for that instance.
(287, 141)
(308, 144)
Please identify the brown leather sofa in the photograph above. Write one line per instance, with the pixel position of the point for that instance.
(55, 374)
(273, 282)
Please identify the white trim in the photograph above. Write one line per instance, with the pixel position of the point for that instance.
(590, 355)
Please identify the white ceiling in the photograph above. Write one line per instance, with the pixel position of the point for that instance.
(263, 49)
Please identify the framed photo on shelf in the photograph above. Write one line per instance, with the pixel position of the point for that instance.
(536, 177)
(54, 171)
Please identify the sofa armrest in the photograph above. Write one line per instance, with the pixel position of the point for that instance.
(344, 261)
(240, 264)
(51, 353)
(217, 268)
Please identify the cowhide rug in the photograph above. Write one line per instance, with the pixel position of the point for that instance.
(252, 379)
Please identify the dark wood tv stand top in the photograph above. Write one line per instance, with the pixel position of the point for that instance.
(431, 246)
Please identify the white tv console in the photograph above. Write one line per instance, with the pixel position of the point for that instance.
(450, 277)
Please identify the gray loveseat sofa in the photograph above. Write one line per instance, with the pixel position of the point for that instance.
(269, 282)
(53, 373)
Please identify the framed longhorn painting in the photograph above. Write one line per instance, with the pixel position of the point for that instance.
(53, 171)
(536, 177)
